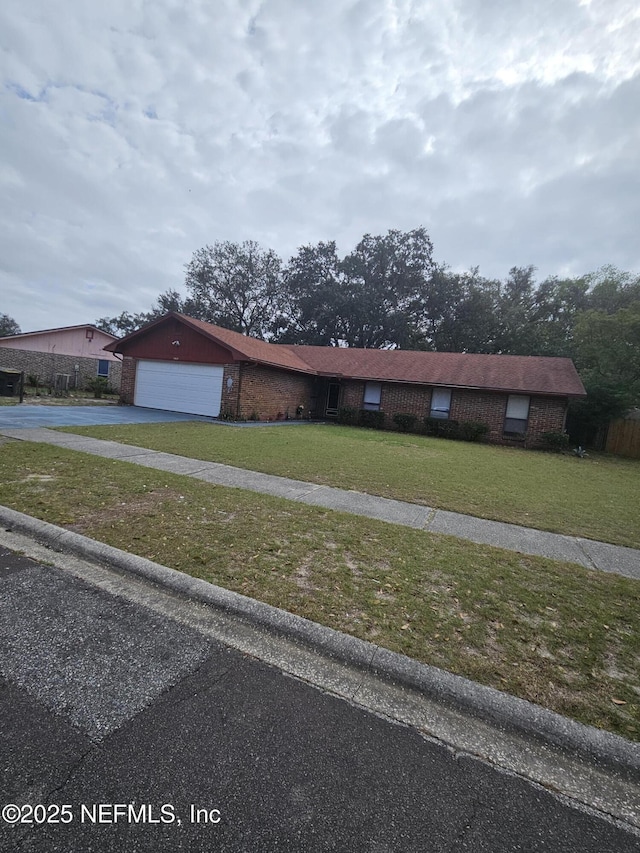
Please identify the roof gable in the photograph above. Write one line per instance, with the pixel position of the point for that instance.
(82, 326)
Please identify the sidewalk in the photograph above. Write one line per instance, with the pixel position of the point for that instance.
(586, 552)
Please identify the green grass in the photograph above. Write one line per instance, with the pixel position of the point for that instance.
(550, 632)
(596, 498)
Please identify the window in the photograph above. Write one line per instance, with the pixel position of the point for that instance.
(440, 403)
(372, 394)
(103, 367)
(515, 422)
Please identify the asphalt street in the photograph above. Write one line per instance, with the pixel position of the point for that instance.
(139, 732)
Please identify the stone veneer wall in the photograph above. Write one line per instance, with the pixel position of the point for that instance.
(45, 365)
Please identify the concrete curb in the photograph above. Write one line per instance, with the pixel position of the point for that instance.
(499, 709)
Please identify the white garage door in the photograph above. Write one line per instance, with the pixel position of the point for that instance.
(179, 387)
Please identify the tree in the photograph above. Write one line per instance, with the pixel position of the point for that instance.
(459, 312)
(238, 286)
(587, 417)
(312, 298)
(557, 303)
(517, 335)
(611, 289)
(608, 349)
(171, 300)
(8, 326)
(123, 324)
(384, 280)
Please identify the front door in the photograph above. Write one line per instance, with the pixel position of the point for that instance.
(333, 398)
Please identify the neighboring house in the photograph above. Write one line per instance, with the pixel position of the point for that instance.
(65, 358)
(185, 365)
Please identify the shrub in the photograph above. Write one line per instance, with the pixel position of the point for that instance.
(449, 429)
(473, 430)
(441, 428)
(349, 416)
(371, 420)
(99, 386)
(405, 422)
(555, 441)
(431, 426)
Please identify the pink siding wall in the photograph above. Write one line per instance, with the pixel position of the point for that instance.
(72, 342)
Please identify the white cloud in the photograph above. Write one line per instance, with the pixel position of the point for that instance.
(135, 133)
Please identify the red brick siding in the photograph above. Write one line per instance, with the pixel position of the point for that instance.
(128, 381)
(546, 414)
(488, 408)
(352, 394)
(230, 391)
(269, 393)
(410, 399)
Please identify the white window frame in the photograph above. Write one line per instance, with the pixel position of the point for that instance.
(100, 362)
(372, 396)
(440, 403)
(516, 417)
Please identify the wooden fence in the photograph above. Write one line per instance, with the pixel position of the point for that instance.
(623, 437)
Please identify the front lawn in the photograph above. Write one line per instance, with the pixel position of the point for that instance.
(550, 632)
(596, 498)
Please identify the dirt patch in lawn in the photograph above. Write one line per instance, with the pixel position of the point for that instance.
(144, 505)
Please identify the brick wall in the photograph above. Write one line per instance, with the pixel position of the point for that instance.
(488, 408)
(229, 405)
(45, 365)
(128, 381)
(272, 394)
(546, 414)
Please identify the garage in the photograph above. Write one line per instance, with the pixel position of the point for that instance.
(179, 387)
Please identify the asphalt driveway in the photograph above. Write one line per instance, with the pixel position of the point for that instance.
(25, 416)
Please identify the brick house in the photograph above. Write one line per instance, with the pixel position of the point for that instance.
(65, 358)
(186, 365)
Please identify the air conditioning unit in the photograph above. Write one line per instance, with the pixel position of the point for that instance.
(62, 381)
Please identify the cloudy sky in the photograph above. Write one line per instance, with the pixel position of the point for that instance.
(133, 133)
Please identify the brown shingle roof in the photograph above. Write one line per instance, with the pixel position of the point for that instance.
(250, 349)
(533, 374)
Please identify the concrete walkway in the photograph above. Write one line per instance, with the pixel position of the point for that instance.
(585, 552)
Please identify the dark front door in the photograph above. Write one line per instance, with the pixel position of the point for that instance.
(333, 398)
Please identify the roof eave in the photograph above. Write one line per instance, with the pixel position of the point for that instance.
(494, 389)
